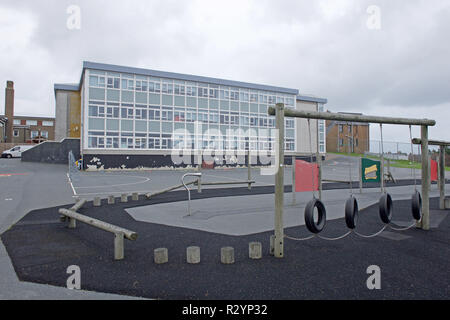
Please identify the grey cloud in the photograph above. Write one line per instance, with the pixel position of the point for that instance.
(319, 47)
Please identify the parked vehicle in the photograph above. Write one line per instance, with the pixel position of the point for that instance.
(15, 152)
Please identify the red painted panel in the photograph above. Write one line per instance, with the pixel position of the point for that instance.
(434, 170)
(304, 173)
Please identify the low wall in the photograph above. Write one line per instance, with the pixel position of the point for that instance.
(130, 161)
(53, 151)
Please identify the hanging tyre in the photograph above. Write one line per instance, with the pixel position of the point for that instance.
(351, 212)
(385, 207)
(311, 223)
(416, 205)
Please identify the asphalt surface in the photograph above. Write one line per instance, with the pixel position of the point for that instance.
(414, 263)
(25, 187)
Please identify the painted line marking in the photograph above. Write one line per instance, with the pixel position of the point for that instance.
(70, 182)
(119, 184)
(12, 174)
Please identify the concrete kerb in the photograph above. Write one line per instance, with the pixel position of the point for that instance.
(227, 255)
(161, 255)
(193, 254)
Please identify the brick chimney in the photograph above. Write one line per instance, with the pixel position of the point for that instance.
(9, 109)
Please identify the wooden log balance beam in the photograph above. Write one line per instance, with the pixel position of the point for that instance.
(226, 182)
(178, 186)
(119, 233)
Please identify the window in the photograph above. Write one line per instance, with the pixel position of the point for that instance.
(203, 92)
(15, 133)
(191, 116)
(154, 86)
(224, 94)
(253, 97)
(16, 122)
(113, 82)
(214, 92)
(167, 114)
(97, 81)
(141, 114)
(31, 122)
(341, 128)
(154, 113)
(127, 84)
(44, 134)
(112, 142)
(112, 112)
(263, 98)
(47, 123)
(179, 89)
(126, 113)
(234, 95)
(141, 85)
(244, 96)
(96, 111)
(167, 88)
(289, 123)
(34, 134)
(178, 116)
(191, 91)
(126, 143)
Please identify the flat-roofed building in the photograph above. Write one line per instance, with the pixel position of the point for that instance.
(132, 117)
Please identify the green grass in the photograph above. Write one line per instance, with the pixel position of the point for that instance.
(394, 163)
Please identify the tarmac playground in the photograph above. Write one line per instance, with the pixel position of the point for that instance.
(414, 263)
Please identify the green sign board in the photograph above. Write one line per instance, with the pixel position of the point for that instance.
(370, 170)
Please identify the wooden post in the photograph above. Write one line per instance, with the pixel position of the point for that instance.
(293, 180)
(319, 163)
(425, 222)
(249, 168)
(118, 246)
(279, 183)
(442, 177)
(199, 169)
(382, 172)
(360, 175)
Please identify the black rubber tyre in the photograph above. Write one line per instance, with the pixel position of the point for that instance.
(309, 216)
(386, 206)
(9, 156)
(416, 205)
(351, 212)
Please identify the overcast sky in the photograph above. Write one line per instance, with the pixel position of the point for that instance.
(397, 65)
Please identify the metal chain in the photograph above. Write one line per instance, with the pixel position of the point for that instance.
(337, 238)
(350, 180)
(403, 229)
(382, 158)
(312, 168)
(299, 239)
(372, 235)
(413, 169)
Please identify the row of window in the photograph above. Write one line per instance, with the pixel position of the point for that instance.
(33, 123)
(33, 134)
(182, 88)
(167, 114)
(166, 142)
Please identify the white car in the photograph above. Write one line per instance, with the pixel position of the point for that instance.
(15, 152)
